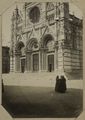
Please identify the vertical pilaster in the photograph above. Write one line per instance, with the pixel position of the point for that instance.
(17, 63)
(39, 61)
(30, 62)
(55, 60)
(44, 60)
(26, 67)
(12, 63)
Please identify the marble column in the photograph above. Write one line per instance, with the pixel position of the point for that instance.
(39, 61)
(17, 63)
(12, 60)
(44, 56)
(12, 63)
(56, 59)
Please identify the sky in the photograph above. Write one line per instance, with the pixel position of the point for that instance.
(6, 24)
(6, 21)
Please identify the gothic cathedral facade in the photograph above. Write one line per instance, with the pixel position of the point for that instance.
(46, 38)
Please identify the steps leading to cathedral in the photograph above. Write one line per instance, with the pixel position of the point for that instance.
(37, 79)
(30, 79)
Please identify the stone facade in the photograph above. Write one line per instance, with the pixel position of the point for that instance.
(46, 37)
(5, 59)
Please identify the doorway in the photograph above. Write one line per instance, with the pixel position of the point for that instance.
(50, 63)
(22, 65)
(36, 62)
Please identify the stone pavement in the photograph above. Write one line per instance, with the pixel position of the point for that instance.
(37, 79)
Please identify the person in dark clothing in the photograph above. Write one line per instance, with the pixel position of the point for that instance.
(62, 85)
(2, 86)
(57, 84)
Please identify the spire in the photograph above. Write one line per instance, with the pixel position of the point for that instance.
(16, 11)
(13, 15)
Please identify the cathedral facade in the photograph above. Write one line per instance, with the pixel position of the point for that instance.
(46, 38)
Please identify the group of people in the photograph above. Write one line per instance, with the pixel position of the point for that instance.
(60, 85)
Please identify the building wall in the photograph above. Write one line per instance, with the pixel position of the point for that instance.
(5, 60)
(73, 55)
(46, 29)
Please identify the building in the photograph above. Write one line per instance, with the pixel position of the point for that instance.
(5, 60)
(46, 38)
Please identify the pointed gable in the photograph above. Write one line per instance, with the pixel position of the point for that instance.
(50, 6)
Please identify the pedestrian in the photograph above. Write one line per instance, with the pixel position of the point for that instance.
(2, 86)
(62, 86)
(57, 83)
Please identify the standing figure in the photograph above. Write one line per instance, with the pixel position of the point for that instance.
(62, 86)
(57, 84)
(2, 86)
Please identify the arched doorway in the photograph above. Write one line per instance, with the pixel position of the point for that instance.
(20, 57)
(32, 55)
(48, 43)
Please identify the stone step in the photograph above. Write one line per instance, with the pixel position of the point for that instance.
(32, 79)
(37, 79)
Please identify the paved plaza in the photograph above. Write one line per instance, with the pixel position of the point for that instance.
(42, 102)
(33, 95)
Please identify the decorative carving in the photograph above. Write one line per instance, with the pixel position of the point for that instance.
(32, 44)
(50, 17)
(19, 37)
(50, 6)
(56, 45)
(50, 45)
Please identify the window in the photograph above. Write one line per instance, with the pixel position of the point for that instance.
(34, 14)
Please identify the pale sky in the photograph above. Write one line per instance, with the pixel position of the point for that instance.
(6, 21)
(6, 24)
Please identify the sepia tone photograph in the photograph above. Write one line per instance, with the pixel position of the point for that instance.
(42, 60)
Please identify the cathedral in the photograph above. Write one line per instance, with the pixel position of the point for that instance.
(45, 37)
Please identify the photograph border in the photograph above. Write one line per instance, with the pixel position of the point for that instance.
(4, 115)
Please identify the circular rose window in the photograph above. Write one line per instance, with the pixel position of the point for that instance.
(34, 14)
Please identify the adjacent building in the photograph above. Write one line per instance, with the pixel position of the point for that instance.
(46, 38)
(5, 59)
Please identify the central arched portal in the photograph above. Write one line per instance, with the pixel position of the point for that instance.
(32, 55)
(35, 62)
(51, 63)
(48, 43)
(40, 56)
(20, 57)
